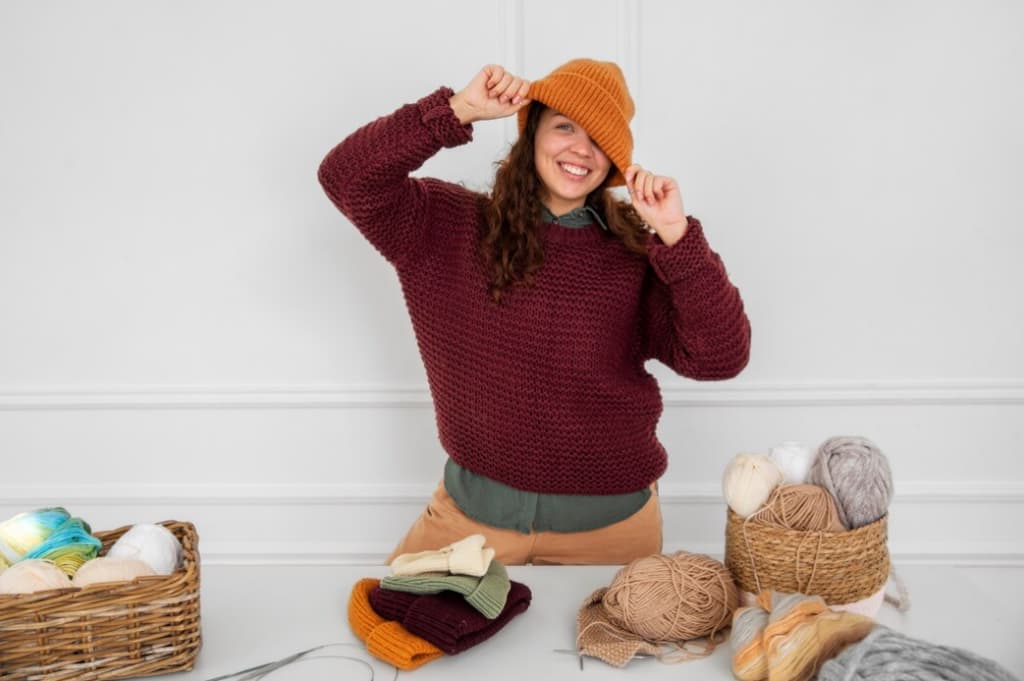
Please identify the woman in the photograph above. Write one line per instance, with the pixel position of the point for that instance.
(535, 308)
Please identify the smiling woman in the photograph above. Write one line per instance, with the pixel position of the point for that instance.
(569, 163)
(555, 295)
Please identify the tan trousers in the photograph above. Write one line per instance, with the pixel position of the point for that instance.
(617, 544)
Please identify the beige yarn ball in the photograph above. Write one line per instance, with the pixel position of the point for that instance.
(807, 508)
(32, 575)
(107, 569)
(748, 482)
(676, 597)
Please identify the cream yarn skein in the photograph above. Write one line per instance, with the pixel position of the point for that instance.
(748, 482)
(31, 575)
(152, 544)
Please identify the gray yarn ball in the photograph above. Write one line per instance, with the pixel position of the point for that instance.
(885, 655)
(857, 474)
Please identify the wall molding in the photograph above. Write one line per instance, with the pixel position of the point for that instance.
(628, 57)
(354, 396)
(513, 55)
(381, 494)
(280, 515)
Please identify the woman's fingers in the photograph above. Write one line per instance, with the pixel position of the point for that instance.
(645, 186)
(494, 75)
(522, 89)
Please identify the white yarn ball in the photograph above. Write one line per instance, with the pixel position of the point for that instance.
(152, 544)
(31, 575)
(794, 459)
(748, 482)
(107, 569)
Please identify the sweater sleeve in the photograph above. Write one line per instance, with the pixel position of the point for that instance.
(367, 175)
(693, 318)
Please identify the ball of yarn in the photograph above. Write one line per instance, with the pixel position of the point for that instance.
(808, 508)
(794, 459)
(25, 531)
(31, 575)
(152, 544)
(855, 471)
(676, 597)
(68, 546)
(107, 569)
(748, 481)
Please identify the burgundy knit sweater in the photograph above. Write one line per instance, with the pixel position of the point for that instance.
(548, 391)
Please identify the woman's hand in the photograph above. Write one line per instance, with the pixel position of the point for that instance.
(493, 93)
(656, 198)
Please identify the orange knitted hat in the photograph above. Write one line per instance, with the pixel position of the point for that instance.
(594, 95)
(386, 639)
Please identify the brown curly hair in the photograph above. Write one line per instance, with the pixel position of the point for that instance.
(510, 241)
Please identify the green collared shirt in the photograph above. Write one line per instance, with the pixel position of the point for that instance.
(493, 503)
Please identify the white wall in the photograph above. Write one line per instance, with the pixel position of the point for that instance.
(189, 329)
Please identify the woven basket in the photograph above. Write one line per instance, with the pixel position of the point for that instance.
(841, 567)
(106, 631)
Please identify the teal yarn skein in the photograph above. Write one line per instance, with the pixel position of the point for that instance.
(25, 531)
(69, 546)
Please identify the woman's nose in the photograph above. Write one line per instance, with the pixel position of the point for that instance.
(583, 146)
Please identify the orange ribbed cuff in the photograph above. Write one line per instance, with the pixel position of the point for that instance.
(385, 639)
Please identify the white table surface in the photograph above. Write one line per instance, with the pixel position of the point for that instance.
(252, 615)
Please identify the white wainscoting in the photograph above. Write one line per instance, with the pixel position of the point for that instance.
(940, 513)
(350, 524)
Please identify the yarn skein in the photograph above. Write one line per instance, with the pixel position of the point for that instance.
(106, 569)
(25, 531)
(32, 575)
(886, 655)
(748, 481)
(856, 473)
(152, 544)
(69, 546)
(808, 508)
(794, 459)
(668, 598)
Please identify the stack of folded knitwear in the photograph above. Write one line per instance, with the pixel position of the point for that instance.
(435, 603)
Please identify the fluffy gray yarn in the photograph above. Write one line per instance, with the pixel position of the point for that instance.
(855, 471)
(885, 655)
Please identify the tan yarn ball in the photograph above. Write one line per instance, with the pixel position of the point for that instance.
(808, 508)
(677, 597)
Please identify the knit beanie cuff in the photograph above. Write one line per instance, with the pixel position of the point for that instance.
(465, 557)
(392, 643)
(491, 591)
(454, 626)
(386, 640)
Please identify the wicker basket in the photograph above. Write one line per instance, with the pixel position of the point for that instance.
(841, 567)
(106, 631)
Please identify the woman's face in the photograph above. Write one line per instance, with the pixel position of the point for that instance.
(569, 163)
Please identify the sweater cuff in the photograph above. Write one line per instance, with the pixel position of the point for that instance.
(676, 263)
(437, 115)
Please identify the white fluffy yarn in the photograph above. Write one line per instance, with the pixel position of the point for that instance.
(748, 482)
(794, 459)
(31, 575)
(107, 569)
(152, 544)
